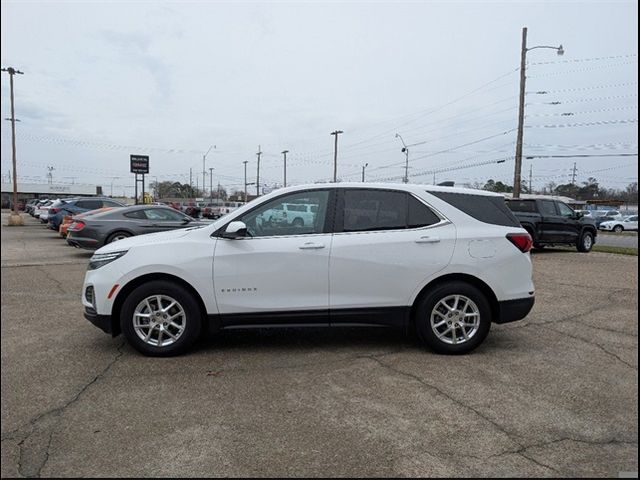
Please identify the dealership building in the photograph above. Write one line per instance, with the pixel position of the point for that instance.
(27, 191)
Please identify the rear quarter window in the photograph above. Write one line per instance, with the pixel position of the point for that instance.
(484, 208)
(525, 206)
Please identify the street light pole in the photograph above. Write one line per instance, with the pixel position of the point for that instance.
(517, 177)
(284, 152)
(335, 155)
(15, 221)
(204, 173)
(363, 167)
(210, 184)
(404, 150)
(259, 154)
(245, 180)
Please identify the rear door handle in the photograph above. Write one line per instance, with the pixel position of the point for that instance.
(311, 246)
(428, 240)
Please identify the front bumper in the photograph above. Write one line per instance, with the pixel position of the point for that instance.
(103, 322)
(513, 310)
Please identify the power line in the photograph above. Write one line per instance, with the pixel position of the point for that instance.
(589, 59)
(584, 155)
(582, 89)
(578, 70)
(585, 124)
(570, 114)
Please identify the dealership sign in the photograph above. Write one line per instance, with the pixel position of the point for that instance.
(139, 164)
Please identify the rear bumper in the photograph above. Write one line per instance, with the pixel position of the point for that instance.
(83, 242)
(513, 310)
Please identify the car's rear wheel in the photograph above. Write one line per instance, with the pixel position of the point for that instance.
(161, 318)
(585, 243)
(297, 222)
(453, 318)
(114, 237)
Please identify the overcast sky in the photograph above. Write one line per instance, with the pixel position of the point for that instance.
(171, 79)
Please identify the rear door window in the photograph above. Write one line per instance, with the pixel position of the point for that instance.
(372, 210)
(548, 207)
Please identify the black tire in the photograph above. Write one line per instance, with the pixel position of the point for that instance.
(585, 243)
(193, 318)
(428, 302)
(618, 228)
(117, 236)
(539, 246)
(297, 222)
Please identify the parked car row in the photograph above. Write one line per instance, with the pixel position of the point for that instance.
(94, 222)
(628, 223)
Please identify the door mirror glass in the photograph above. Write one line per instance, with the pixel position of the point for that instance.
(235, 230)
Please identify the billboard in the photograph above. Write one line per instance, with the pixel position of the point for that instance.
(139, 163)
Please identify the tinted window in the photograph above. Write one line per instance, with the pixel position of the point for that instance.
(547, 207)
(89, 204)
(420, 215)
(272, 219)
(522, 206)
(366, 210)
(109, 203)
(164, 215)
(137, 214)
(565, 210)
(485, 208)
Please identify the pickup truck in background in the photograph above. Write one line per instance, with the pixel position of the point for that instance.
(552, 222)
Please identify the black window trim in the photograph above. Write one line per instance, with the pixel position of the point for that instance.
(339, 220)
(329, 221)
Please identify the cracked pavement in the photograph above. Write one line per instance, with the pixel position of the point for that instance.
(554, 395)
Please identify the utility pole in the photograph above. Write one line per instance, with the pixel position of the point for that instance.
(573, 174)
(204, 173)
(335, 155)
(363, 168)
(258, 173)
(210, 184)
(284, 152)
(16, 215)
(517, 177)
(245, 180)
(190, 179)
(531, 178)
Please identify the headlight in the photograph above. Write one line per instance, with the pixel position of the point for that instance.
(101, 259)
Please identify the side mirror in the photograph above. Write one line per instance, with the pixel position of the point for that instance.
(578, 215)
(235, 230)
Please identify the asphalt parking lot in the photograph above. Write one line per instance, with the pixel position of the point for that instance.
(554, 395)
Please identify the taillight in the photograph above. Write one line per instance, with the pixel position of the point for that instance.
(522, 241)
(53, 210)
(77, 226)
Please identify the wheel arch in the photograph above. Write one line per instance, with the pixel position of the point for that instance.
(124, 292)
(463, 277)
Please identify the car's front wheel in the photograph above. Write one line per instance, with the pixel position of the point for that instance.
(618, 228)
(585, 242)
(161, 318)
(454, 318)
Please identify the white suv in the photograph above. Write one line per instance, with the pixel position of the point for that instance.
(444, 261)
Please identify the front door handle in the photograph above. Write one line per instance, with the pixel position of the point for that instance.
(427, 239)
(311, 246)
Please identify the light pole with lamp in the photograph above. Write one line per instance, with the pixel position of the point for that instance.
(363, 168)
(517, 178)
(405, 150)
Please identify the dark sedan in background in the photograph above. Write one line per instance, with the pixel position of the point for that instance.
(74, 206)
(97, 230)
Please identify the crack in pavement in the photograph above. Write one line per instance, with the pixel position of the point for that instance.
(522, 448)
(36, 436)
(54, 280)
(634, 367)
